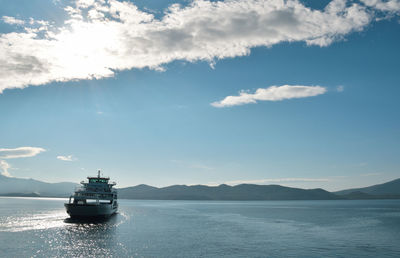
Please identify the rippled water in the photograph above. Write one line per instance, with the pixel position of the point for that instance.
(40, 227)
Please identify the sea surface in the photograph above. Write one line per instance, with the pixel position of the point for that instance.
(39, 227)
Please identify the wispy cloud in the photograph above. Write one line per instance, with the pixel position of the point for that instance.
(20, 152)
(101, 37)
(201, 166)
(392, 6)
(4, 166)
(340, 88)
(273, 93)
(277, 180)
(372, 174)
(12, 20)
(66, 158)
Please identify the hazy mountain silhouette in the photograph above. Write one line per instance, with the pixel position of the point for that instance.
(224, 192)
(391, 187)
(13, 186)
(256, 192)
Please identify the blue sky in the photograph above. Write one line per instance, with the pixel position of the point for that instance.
(181, 97)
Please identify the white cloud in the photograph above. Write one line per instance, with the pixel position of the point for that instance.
(273, 93)
(66, 158)
(12, 20)
(21, 152)
(386, 6)
(102, 37)
(277, 180)
(4, 166)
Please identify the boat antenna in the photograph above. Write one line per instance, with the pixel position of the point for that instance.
(98, 175)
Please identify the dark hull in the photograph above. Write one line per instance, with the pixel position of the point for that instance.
(90, 210)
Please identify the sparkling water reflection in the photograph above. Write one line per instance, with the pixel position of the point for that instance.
(40, 228)
(42, 220)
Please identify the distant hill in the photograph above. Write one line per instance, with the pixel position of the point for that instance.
(11, 186)
(387, 190)
(224, 192)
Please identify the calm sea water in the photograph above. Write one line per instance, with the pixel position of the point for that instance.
(32, 227)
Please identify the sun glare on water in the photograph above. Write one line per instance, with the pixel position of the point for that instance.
(45, 220)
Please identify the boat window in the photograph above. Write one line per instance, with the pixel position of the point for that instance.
(98, 180)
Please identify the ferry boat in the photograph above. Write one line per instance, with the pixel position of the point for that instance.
(95, 198)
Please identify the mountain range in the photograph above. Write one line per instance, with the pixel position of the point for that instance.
(10, 186)
(224, 192)
(388, 190)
